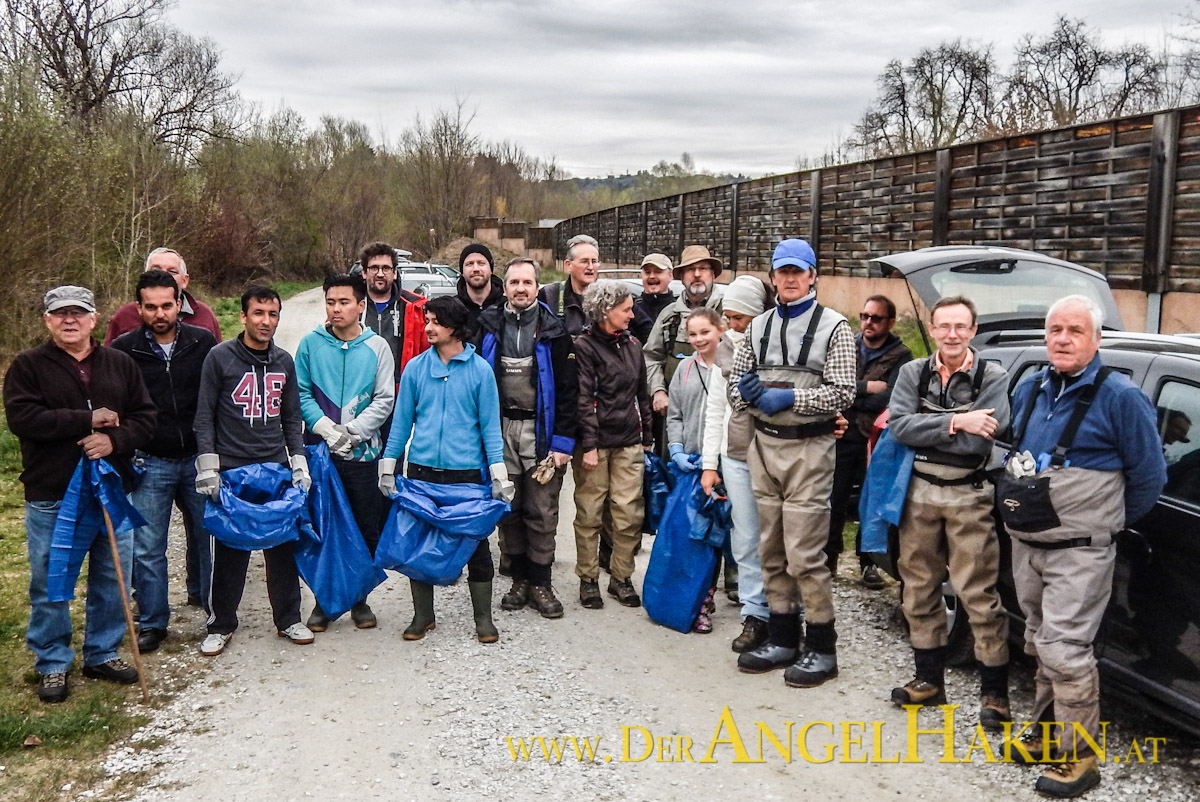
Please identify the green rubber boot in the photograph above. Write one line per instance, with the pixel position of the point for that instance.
(423, 621)
(481, 603)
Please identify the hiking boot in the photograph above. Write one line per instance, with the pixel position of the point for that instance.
(214, 643)
(919, 692)
(317, 620)
(622, 590)
(871, 578)
(423, 620)
(150, 639)
(114, 670)
(517, 596)
(362, 615)
(589, 594)
(52, 687)
(481, 607)
(811, 669)
(754, 634)
(766, 658)
(298, 634)
(1069, 780)
(1032, 744)
(994, 712)
(542, 599)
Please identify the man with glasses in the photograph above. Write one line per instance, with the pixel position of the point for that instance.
(948, 407)
(565, 298)
(880, 355)
(67, 398)
(392, 312)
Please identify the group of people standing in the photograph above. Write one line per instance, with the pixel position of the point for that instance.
(506, 384)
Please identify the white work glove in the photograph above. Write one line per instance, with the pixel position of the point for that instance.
(387, 477)
(339, 442)
(1021, 464)
(300, 478)
(208, 475)
(502, 487)
(356, 439)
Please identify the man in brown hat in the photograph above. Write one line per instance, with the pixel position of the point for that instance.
(667, 345)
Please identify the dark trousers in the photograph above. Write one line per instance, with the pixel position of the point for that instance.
(361, 482)
(229, 581)
(194, 567)
(850, 467)
(531, 526)
(480, 567)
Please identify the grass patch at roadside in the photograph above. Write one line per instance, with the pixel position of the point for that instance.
(229, 310)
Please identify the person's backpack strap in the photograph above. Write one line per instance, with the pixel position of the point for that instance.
(1082, 405)
(809, 335)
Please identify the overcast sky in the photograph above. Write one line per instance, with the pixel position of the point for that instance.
(612, 86)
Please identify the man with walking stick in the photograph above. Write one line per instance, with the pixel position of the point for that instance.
(66, 398)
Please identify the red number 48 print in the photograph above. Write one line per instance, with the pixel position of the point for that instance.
(248, 398)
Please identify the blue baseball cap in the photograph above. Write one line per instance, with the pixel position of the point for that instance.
(795, 252)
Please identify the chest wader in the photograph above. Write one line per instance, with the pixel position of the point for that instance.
(776, 368)
(677, 352)
(1061, 506)
(934, 465)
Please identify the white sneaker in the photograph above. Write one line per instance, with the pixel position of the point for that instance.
(297, 633)
(214, 644)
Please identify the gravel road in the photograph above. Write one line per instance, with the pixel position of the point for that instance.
(364, 715)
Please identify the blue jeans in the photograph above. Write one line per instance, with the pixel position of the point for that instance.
(743, 541)
(164, 481)
(49, 632)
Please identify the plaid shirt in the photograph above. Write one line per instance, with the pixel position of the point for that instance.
(836, 391)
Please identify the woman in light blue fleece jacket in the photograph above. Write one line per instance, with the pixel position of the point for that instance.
(450, 407)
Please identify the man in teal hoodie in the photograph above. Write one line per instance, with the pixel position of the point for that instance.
(450, 407)
(345, 375)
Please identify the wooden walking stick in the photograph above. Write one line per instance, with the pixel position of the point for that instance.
(116, 556)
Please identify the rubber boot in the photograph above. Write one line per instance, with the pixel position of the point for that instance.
(423, 620)
(481, 604)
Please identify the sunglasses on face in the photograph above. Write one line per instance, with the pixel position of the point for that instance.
(864, 317)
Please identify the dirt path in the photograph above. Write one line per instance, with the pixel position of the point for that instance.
(364, 715)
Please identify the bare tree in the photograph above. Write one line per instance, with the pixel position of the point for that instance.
(942, 96)
(441, 189)
(1070, 76)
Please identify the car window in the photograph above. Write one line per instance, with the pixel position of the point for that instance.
(1178, 409)
(1039, 285)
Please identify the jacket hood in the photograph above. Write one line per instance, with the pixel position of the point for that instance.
(326, 334)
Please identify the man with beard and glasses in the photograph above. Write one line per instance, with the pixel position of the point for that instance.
(532, 355)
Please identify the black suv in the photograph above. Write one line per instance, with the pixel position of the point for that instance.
(1149, 643)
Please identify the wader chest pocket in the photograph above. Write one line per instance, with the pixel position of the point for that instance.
(1025, 504)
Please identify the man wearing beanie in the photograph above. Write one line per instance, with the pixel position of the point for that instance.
(478, 288)
(727, 438)
(794, 372)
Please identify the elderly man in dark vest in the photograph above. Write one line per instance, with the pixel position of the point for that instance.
(794, 371)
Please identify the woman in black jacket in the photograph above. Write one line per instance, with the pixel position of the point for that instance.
(614, 429)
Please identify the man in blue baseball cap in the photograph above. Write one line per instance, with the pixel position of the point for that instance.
(794, 372)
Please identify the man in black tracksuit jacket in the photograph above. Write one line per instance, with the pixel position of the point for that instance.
(249, 412)
(170, 356)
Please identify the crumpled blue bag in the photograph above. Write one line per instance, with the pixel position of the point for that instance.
(432, 529)
(714, 517)
(331, 555)
(884, 490)
(656, 486)
(259, 508)
(681, 568)
(80, 521)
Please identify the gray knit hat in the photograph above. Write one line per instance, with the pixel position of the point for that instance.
(745, 295)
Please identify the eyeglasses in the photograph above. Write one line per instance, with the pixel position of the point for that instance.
(958, 328)
(377, 269)
(586, 262)
(864, 317)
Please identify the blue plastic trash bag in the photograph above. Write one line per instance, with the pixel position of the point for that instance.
(714, 517)
(433, 529)
(259, 508)
(95, 483)
(884, 490)
(331, 555)
(681, 568)
(656, 486)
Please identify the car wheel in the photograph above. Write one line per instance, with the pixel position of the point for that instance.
(960, 641)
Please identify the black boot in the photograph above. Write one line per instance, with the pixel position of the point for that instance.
(423, 620)
(481, 605)
(994, 709)
(781, 648)
(818, 662)
(541, 593)
(317, 620)
(518, 595)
